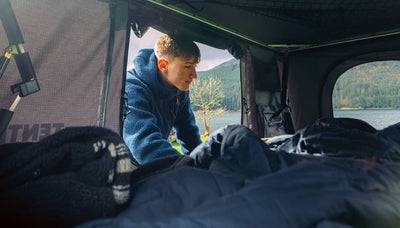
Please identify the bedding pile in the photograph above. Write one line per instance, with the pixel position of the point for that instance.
(333, 173)
(77, 174)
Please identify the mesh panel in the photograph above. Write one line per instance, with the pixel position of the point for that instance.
(67, 41)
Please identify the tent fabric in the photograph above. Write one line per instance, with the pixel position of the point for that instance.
(313, 73)
(67, 42)
(297, 21)
(242, 182)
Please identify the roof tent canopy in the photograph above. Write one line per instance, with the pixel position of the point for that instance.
(281, 23)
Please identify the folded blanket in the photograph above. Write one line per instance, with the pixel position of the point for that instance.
(75, 175)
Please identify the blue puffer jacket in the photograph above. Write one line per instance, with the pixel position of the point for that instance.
(153, 109)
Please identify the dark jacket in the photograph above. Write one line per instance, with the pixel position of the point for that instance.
(153, 109)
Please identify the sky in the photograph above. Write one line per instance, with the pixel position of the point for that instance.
(210, 57)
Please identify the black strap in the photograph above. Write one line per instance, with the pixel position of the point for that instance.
(124, 100)
(29, 83)
(5, 118)
(107, 68)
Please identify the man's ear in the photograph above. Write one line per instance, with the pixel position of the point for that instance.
(162, 64)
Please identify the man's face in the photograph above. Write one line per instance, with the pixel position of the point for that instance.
(180, 72)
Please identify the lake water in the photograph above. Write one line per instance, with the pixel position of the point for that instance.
(377, 118)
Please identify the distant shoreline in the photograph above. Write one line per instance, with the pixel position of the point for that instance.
(357, 109)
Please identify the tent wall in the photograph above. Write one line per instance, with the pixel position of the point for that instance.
(67, 41)
(313, 73)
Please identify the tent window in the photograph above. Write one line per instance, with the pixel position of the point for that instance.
(217, 70)
(370, 92)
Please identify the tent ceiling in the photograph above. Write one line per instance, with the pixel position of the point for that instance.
(296, 22)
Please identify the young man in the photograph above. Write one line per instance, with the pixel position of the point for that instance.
(158, 99)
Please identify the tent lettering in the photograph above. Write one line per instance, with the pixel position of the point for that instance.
(29, 132)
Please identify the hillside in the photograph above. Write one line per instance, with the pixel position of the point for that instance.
(371, 85)
(229, 73)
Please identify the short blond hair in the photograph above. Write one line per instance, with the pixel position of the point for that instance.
(168, 45)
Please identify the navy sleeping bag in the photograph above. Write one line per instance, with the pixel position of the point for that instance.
(329, 174)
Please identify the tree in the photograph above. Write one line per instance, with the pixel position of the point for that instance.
(207, 96)
(369, 85)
